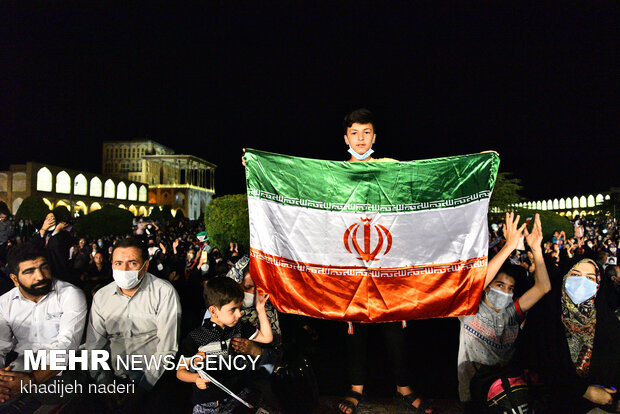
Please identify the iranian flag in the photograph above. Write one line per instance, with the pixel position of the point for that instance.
(370, 241)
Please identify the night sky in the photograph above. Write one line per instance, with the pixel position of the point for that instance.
(538, 85)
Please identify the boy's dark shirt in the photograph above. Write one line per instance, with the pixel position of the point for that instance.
(210, 333)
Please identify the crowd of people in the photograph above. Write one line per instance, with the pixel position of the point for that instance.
(546, 334)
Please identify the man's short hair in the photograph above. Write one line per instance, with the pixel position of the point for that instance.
(22, 253)
(601, 256)
(134, 242)
(222, 290)
(360, 116)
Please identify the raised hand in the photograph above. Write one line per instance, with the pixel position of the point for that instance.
(512, 231)
(534, 239)
(261, 300)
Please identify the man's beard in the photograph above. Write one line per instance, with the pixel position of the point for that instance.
(38, 289)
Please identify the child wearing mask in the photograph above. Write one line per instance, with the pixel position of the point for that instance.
(488, 337)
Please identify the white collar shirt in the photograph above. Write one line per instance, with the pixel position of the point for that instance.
(145, 324)
(55, 322)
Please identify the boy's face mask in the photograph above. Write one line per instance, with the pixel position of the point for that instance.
(499, 299)
(360, 157)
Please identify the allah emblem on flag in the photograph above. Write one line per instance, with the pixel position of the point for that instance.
(366, 254)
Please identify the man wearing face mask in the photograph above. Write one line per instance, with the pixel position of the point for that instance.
(488, 337)
(137, 314)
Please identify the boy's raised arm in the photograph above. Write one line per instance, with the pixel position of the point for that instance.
(265, 335)
(512, 234)
(542, 285)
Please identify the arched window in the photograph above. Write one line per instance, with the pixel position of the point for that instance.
(575, 203)
(591, 201)
(538, 205)
(132, 192)
(44, 180)
(556, 204)
(19, 182)
(95, 187)
(562, 204)
(607, 197)
(544, 205)
(600, 199)
(549, 205)
(108, 189)
(80, 185)
(63, 183)
(16, 203)
(583, 202)
(569, 203)
(121, 191)
(142, 193)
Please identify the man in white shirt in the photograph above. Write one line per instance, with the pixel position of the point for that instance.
(137, 314)
(39, 313)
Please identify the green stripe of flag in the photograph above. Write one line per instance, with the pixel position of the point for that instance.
(371, 186)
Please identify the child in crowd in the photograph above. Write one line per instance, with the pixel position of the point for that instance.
(224, 299)
(487, 339)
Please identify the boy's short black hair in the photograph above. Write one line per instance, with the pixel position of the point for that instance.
(134, 242)
(22, 253)
(519, 274)
(222, 290)
(360, 116)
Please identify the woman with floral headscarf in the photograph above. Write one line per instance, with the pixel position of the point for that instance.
(571, 342)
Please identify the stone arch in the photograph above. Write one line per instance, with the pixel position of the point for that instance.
(108, 189)
(48, 203)
(95, 206)
(133, 210)
(19, 182)
(132, 192)
(121, 191)
(16, 203)
(95, 187)
(63, 183)
(80, 205)
(122, 206)
(142, 211)
(607, 197)
(80, 185)
(44, 179)
(4, 180)
(575, 213)
(62, 203)
(569, 214)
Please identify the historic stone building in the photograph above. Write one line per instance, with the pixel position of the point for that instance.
(75, 190)
(184, 182)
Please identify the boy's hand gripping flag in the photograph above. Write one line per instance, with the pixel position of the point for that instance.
(370, 242)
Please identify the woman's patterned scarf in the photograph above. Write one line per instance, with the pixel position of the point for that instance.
(579, 325)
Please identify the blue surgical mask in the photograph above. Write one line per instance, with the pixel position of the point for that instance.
(580, 288)
(361, 157)
(499, 299)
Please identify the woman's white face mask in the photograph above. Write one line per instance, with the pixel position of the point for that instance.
(248, 300)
